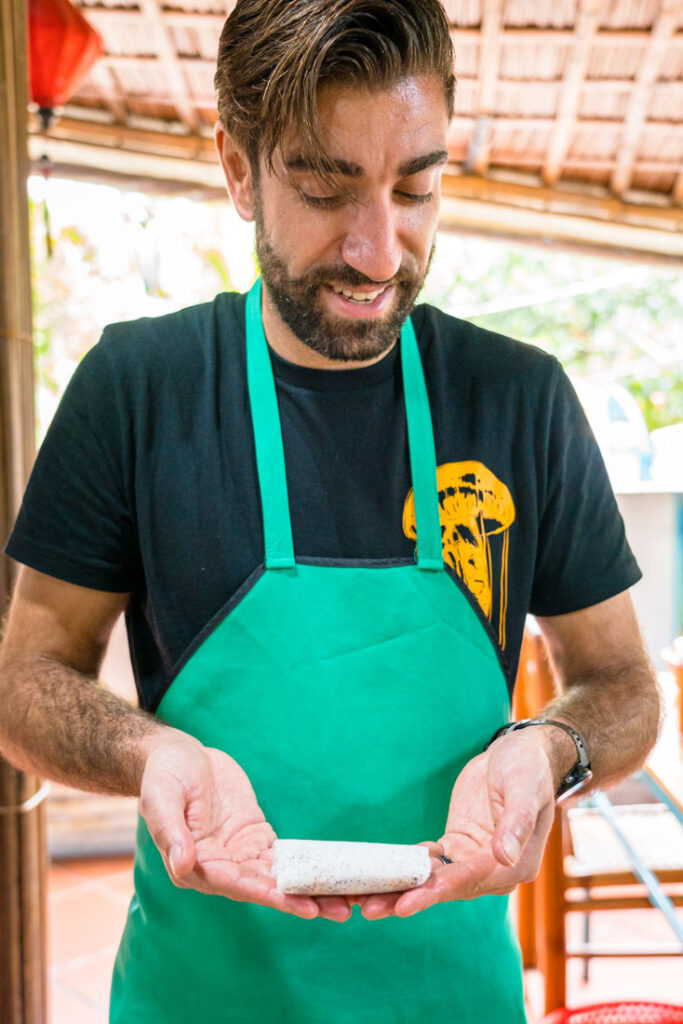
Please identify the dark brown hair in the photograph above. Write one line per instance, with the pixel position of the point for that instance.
(274, 55)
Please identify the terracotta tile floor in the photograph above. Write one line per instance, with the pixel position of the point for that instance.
(87, 907)
(87, 904)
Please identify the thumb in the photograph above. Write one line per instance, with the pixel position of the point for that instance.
(162, 804)
(516, 806)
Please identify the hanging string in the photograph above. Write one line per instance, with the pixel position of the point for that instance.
(46, 171)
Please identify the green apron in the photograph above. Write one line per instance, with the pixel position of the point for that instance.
(352, 694)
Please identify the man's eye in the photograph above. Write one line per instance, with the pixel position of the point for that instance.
(416, 197)
(333, 202)
(321, 202)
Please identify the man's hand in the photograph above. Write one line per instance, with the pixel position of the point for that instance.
(500, 814)
(203, 815)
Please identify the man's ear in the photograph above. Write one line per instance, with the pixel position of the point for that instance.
(237, 171)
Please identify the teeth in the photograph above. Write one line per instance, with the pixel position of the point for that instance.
(358, 296)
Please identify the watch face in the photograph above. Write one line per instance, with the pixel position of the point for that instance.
(577, 778)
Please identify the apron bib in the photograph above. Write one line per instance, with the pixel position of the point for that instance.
(352, 694)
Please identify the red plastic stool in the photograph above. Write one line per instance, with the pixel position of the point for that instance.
(618, 1013)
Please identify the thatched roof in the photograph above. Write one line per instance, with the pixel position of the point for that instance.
(583, 97)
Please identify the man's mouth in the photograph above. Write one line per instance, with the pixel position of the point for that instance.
(364, 298)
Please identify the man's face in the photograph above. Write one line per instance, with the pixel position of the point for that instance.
(342, 266)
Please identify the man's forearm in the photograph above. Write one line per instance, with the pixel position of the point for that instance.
(617, 712)
(56, 722)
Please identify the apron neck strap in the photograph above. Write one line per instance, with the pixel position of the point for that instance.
(270, 458)
(270, 455)
(422, 453)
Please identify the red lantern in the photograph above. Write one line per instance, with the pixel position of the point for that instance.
(63, 48)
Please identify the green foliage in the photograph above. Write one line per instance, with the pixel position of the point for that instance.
(606, 321)
(659, 397)
(215, 260)
(42, 328)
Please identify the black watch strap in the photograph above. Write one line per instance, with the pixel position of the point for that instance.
(578, 775)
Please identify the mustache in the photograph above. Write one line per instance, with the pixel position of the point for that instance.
(347, 275)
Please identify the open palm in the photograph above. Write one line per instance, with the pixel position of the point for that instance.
(508, 788)
(203, 815)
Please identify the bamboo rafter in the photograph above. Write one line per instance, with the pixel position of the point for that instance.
(597, 100)
(662, 31)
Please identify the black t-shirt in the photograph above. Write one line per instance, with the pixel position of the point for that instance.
(146, 481)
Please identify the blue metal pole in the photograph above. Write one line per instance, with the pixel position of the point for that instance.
(656, 894)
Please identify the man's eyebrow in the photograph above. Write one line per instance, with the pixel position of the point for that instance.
(351, 170)
(421, 163)
(343, 167)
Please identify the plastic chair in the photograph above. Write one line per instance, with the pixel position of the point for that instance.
(618, 1013)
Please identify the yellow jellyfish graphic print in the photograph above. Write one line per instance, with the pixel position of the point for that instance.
(474, 505)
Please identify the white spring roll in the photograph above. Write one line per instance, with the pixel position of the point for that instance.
(310, 867)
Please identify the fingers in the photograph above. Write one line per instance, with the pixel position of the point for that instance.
(247, 883)
(435, 850)
(253, 882)
(300, 906)
(253, 842)
(334, 908)
(379, 905)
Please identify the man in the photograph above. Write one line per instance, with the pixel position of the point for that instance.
(323, 640)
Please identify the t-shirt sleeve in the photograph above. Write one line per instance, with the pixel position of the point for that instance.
(76, 520)
(583, 556)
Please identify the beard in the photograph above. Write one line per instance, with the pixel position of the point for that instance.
(300, 304)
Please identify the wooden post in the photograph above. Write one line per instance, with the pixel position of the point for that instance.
(22, 841)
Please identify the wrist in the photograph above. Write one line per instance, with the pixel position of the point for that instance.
(559, 748)
(154, 742)
(571, 778)
(163, 736)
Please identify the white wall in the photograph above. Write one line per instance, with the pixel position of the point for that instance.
(651, 521)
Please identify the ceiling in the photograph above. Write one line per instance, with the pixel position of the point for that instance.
(566, 111)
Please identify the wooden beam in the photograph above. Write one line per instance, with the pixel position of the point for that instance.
(678, 189)
(565, 231)
(23, 985)
(603, 207)
(489, 59)
(587, 165)
(106, 84)
(162, 171)
(596, 124)
(16, 342)
(109, 135)
(588, 17)
(591, 223)
(663, 29)
(157, 179)
(104, 135)
(157, 30)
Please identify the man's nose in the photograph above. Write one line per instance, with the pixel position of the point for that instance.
(371, 245)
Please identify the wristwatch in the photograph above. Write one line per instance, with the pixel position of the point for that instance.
(577, 776)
